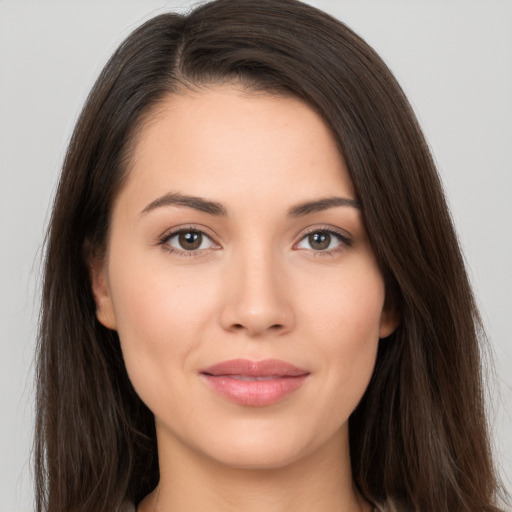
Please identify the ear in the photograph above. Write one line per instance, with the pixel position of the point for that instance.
(101, 291)
(389, 319)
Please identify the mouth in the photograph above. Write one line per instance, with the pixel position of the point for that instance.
(254, 383)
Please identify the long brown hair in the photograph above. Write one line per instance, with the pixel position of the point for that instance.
(419, 439)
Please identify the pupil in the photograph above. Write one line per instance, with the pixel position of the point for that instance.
(190, 240)
(319, 241)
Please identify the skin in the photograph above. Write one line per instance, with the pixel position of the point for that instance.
(256, 288)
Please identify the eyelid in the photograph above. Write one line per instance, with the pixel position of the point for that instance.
(344, 237)
(176, 230)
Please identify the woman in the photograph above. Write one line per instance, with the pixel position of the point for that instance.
(254, 298)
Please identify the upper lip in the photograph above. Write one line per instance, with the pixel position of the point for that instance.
(263, 368)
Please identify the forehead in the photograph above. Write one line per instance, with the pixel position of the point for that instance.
(224, 141)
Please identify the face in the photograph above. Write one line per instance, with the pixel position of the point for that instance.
(240, 279)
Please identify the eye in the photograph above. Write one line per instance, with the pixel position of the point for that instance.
(188, 240)
(322, 240)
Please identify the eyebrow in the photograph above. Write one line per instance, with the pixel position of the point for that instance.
(197, 203)
(321, 205)
(217, 209)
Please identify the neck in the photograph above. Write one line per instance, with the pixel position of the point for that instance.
(191, 482)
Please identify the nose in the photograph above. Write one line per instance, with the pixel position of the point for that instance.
(257, 298)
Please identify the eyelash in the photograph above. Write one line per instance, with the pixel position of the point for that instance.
(164, 241)
(345, 241)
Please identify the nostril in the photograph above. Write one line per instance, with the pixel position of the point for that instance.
(271, 328)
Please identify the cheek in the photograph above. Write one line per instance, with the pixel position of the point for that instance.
(154, 301)
(160, 316)
(347, 304)
(146, 310)
(344, 317)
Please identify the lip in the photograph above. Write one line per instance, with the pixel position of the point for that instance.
(254, 383)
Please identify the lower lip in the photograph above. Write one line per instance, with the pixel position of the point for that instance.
(254, 393)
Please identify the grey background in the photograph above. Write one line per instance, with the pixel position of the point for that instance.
(453, 59)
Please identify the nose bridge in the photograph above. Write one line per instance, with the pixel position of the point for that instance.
(257, 296)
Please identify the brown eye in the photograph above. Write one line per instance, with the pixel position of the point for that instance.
(190, 240)
(323, 240)
(319, 241)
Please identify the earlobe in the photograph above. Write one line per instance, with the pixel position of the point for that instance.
(389, 321)
(100, 289)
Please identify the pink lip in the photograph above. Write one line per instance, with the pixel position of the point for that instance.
(254, 383)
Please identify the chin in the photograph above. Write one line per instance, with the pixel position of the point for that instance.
(268, 449)
(259, 458)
